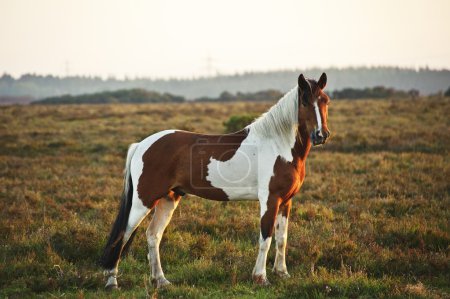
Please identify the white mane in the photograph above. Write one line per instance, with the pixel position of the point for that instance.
(280, 121)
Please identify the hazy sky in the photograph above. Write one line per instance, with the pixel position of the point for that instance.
(162, 38)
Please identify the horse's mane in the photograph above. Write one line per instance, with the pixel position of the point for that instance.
(280, 121)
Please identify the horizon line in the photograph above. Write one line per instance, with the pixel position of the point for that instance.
(126, 77)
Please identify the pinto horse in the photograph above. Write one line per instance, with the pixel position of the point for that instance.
(264, 162)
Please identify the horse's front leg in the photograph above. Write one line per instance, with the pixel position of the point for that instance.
(281, 229)
(269, 210)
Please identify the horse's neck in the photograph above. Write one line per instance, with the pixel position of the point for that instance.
(302, 144)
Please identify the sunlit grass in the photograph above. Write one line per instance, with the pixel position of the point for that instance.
(371, 219)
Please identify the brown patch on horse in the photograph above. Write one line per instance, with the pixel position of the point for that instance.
(286, 208)
(154, 181)
(268, 219)
(179, 162)
(274, 206)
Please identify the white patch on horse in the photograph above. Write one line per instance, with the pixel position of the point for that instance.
(319, 119)
(126, 172)
(238, 176)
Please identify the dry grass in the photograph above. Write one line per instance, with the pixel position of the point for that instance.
(370, 221)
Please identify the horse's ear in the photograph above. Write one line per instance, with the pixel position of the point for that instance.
(322, 81)
(305, 87)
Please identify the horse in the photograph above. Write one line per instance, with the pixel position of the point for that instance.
(265, 161)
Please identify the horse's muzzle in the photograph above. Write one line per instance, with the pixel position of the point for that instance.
(319, 137)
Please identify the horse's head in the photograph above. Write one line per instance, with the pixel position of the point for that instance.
(313, 108)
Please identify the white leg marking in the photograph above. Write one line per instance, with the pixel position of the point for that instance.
(281, 226)
(319, 119)
(161, 218)
(259, 272)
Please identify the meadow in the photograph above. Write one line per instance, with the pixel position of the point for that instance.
(371, 220)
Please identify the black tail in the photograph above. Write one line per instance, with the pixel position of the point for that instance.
(113, 249)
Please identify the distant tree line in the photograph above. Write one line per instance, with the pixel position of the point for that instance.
(119, 96)
(265, 95)
(425, 80)
(145, 96)
(377, 92)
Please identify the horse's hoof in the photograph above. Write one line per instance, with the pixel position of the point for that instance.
(161, 282)
(261, 280)
(111, 283)
(111, 287)
(282, 274)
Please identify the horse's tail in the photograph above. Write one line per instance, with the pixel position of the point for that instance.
(113, 249)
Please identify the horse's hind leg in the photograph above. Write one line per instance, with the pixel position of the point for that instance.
(160, 220)
(137, 214)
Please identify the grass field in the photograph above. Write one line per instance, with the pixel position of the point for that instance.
(371, 220)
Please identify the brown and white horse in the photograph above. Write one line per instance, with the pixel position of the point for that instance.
(264, 162)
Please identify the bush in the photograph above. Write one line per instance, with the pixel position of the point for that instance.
(238, 122)
(447, 93)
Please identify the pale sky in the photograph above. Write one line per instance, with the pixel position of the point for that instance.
(168, 38)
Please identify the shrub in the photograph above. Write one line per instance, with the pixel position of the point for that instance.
(238, 122)
(447, 92)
